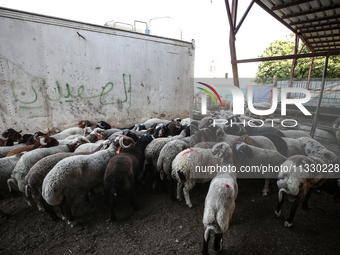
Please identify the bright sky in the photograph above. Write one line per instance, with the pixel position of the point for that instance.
(202, 20)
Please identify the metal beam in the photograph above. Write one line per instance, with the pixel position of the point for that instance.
(232, 41)
(314, 20)
(321, 36)
(322, 42)
(231, 25)
(330, 45)
(319, 30)
(244, 16)
(264, 7)
(312, 132)
(279, 7)
(310, 12)
(297, 56)
(318, 25)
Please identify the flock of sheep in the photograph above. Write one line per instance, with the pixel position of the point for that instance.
(51, 168)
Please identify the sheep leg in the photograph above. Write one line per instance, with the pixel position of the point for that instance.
(218, 242)
(266, 187)
(305, 205)
(187, 196)
(172, 189)
(206, 239)
(288, 222)
(67, 212)
(112, 207)
(132, 201)
(179, 191)
(278, 208)
(49, 209)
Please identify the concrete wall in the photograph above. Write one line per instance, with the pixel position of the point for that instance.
(55, 72)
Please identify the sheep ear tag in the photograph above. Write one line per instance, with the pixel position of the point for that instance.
(227, 186)
(118, 151)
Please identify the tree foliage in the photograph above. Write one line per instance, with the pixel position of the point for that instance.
(282, 68)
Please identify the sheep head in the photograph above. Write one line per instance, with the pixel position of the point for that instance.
(123, 143)
(11, 136)
(84, 123)
(100, 133)
(45, 141)
(242, 151)
(246, 139)
(51, 131)
(34, 138)
(221, 149)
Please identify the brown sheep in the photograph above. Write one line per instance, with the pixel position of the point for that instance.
(42, 142)
(10, 136)
(246, 139)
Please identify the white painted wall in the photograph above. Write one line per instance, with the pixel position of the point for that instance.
(55, 72)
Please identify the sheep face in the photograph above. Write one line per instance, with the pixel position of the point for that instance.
(31, 140)
(205, 122)
(11, 136)
(246, 139)
(221, 149)
(242, 151)
(45, 141)
(103, 125)
(84, 124)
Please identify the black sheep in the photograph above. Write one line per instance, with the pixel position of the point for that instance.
(122, 172)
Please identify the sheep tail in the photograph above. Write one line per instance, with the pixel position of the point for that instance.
(281, 193)
(181, 175)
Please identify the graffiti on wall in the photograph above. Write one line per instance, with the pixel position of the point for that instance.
(66, 94)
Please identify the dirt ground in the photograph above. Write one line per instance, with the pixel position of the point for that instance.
(162, 226)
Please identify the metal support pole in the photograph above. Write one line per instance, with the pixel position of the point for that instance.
(232, 21)
(310, 71)
(294, 61)
(312, 132)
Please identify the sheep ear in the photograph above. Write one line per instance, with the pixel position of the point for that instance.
(219, 154)
(247, 151)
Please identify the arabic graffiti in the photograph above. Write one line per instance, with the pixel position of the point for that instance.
(68, 96)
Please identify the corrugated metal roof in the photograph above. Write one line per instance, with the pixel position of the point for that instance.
(317, 22)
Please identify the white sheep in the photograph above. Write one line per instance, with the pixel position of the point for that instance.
(248, 156)
(196, 165)
(154, 148)
(35, 176)
(73, 175)
(261, 141)
(17, 180)
(294, 147)
(68, 132)
(172, 148)
(88, 147)
(316, 149)
(297, 177)
(6, 168)
(4, 150)
(219, 204)
(294, 134)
